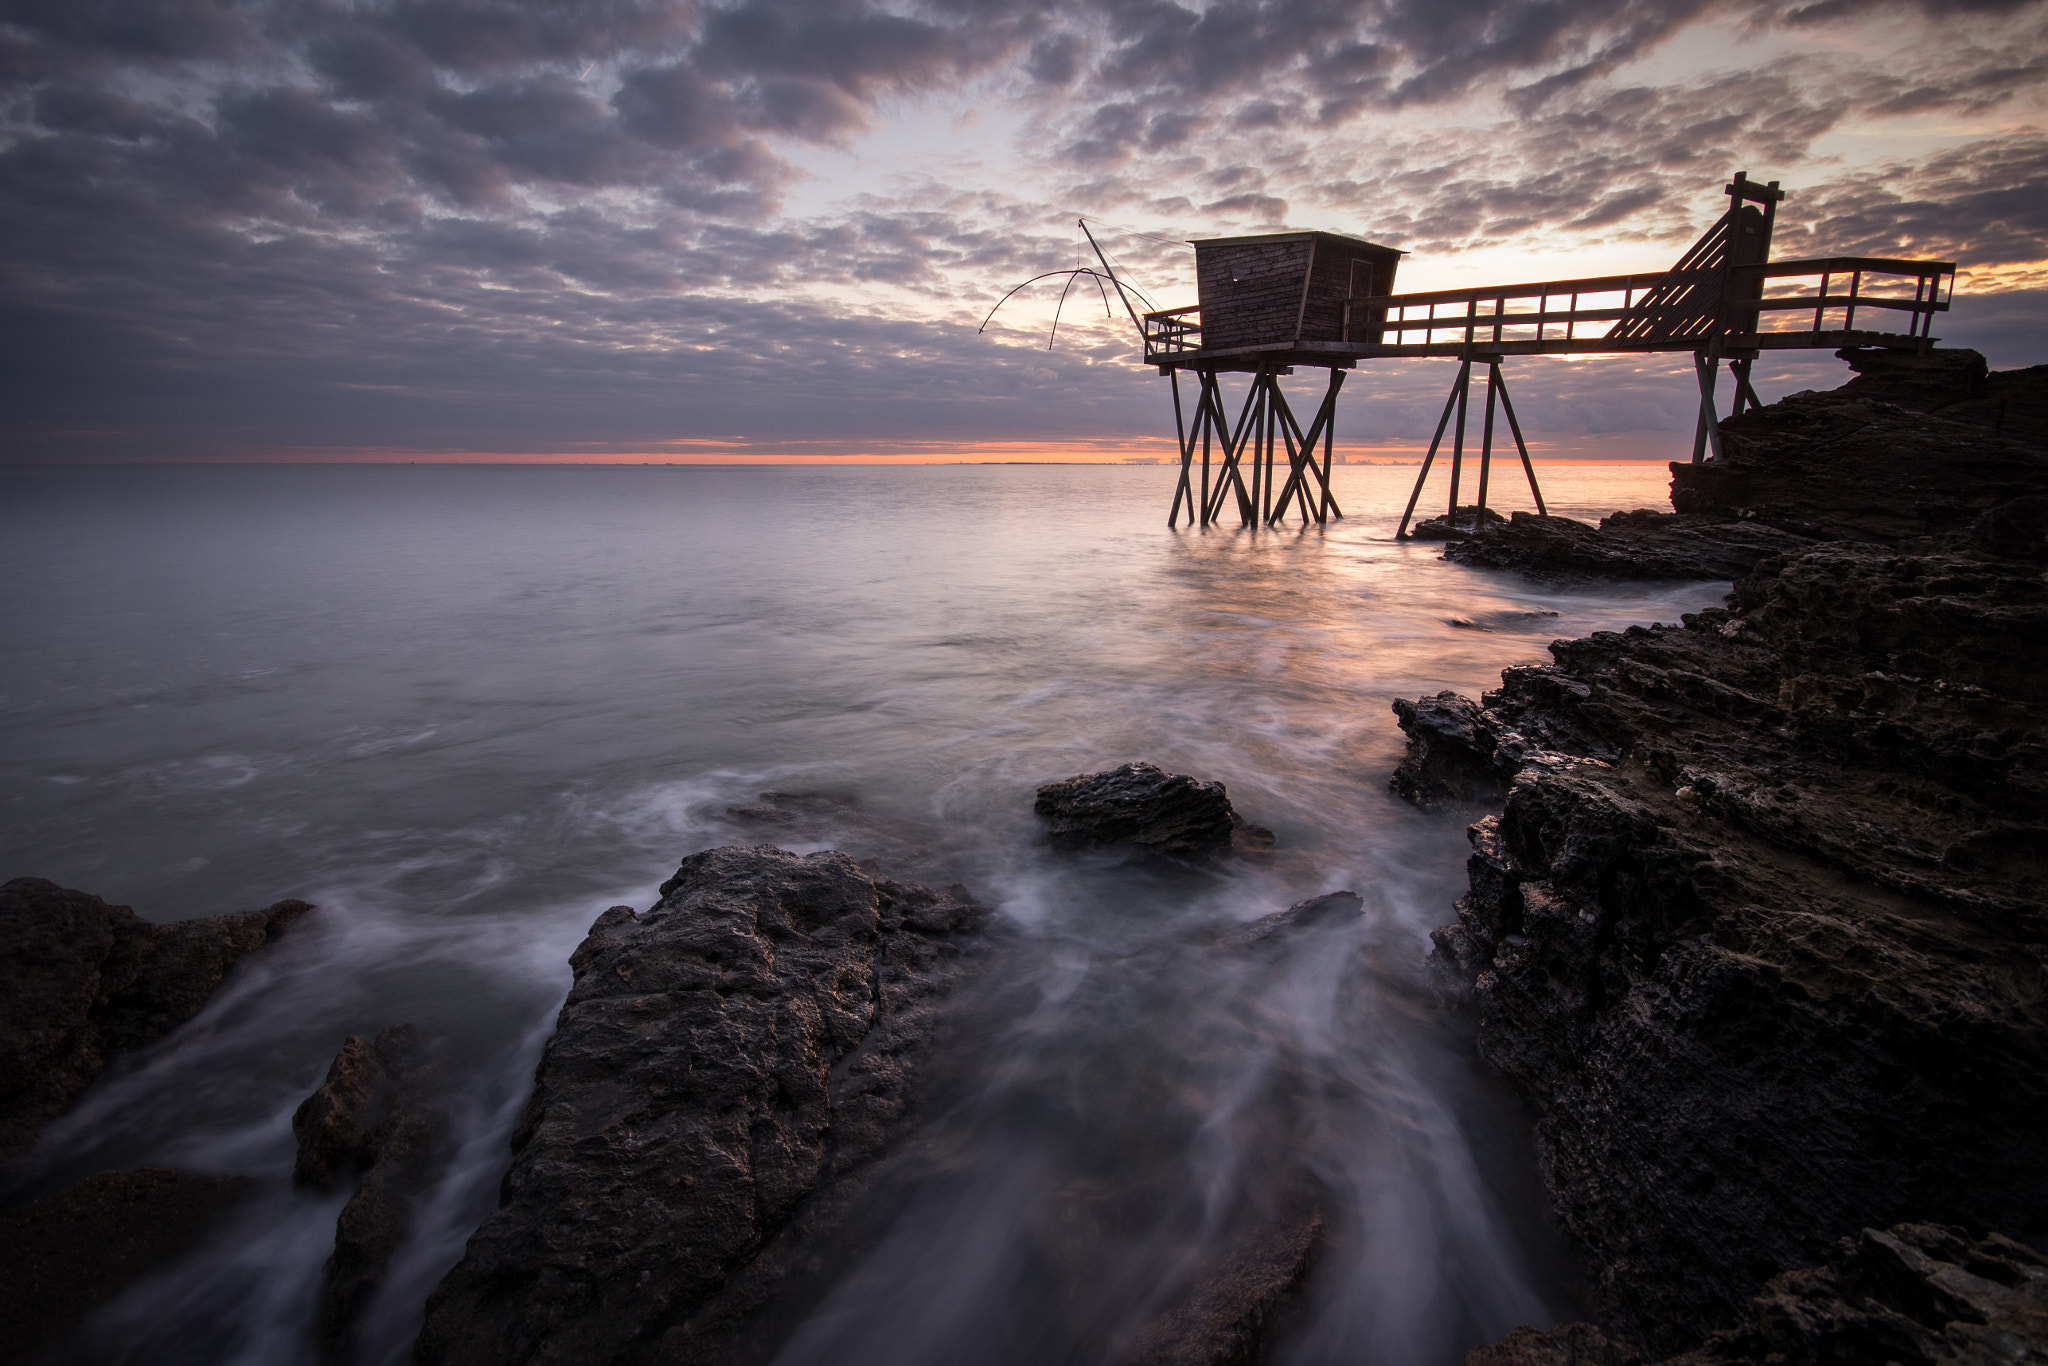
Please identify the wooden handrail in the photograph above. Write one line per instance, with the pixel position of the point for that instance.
(1169, 331)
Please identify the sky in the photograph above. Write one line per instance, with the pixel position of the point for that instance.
(628, 230)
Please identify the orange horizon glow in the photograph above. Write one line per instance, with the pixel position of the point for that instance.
(1643, 448)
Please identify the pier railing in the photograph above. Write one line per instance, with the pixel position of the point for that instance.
(1776, 305)
(1172, 331)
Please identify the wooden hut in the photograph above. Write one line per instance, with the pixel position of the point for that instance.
(1285, 288)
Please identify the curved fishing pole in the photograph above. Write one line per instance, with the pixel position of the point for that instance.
(1078, 270)
(1065, 289)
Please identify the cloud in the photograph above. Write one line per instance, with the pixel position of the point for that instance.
(504, 223)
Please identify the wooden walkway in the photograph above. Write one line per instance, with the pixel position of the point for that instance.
(1791, 305)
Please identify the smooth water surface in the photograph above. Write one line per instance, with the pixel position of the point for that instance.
(464, 709)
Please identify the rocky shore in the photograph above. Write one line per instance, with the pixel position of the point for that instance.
(1760, 923)
(1757, 918)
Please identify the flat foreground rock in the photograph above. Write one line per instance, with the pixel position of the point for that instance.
(725, 1066)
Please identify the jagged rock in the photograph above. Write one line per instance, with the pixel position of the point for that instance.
(1570, 1344)
(1761, 924)
(726, 1070)
(1637, 545)
(378, 1113)
(1450, 752)
(1755, 956)
(87, 981)
(1883, 458)
(1144, 806)
(1913, 1295)
(2017, 530)
(1917, 1295)
(70, 1253)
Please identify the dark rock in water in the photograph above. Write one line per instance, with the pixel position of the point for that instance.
(70, 1253)
(86, 981)
(1145, 807)
(1641, 545)
(1913, 1295)
(1451, 744)
(727, 1069)
(1239, 1299)
(378, 1114)
(1329, 908)
(1469, 523)
(787, 809)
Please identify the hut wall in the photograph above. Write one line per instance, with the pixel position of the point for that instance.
(1250, 292)
(1331, 283)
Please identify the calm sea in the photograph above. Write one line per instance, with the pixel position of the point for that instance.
(464, 709)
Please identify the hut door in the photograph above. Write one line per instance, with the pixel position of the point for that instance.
(1361, 288)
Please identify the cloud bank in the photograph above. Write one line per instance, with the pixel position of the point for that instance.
(510, 225)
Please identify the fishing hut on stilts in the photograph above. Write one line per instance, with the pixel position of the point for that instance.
(1273, 304)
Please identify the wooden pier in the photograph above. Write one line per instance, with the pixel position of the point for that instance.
(1276, 303)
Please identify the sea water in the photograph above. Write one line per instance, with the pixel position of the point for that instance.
(464, 709)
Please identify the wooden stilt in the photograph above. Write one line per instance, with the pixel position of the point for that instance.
(1458, 436)
(1231, 478)
(1706, 365)
(1507, 406)
(1745, 393)
(1328, 506)
(1206, 419)
(1422, 476)
(1486, 442)
(1302, 462)
(1301, 465)
(1187, 456)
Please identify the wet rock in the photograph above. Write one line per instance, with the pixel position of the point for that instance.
(70, 1253)
(1451, 744)
(378, 1114)
(1639, 545)
(1237, 1303)
(87, 981)
(1916, 1294)
(908, 847)
(1760, 924)
(2017, 530)
(1143, 806)
(1769, 957)
(1469, 522)
(1913, 1295)
(1570, 1344)
(1330, 908)
(727, 1069)
(793, 810)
